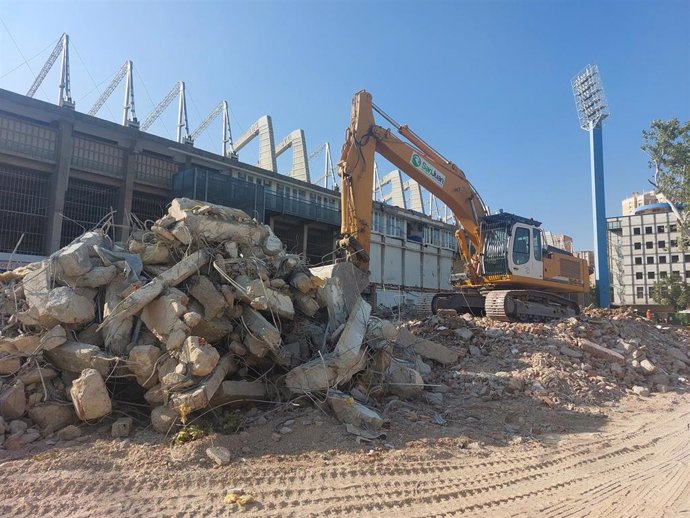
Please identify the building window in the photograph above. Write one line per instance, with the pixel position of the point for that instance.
(394, 226)
(650, 260)
(637, 231)
(638, 260)
(661, 244)
(674, 243)
(638, 246)
(638, 275)
(377, 222)
(673, 227)
(663, 275)
(650, 275)
(676, 274)
(686, 258)
(648, 230)
(660, 228)
(687, 274)
(640, 293)
(649, 245)
(662, 259)
(674, 258)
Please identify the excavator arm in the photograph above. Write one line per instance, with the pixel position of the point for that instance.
(441, 177)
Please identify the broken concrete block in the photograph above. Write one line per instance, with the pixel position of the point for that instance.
(36, 374)
(161, 317)
(262, 328)
(600, 352)
(156, 395)
(647, 367)
(403, 381)
(164, 419)
(276, 301)
(73, 260)
(22, 345)
(69, 433)
(339, 366)
(203, 290)
(201, 396)
(238, 392)
(380, 329)
(65, 306)
(53, 338)
(13, 401)
(202, 357)
(213, 330)
(76, 356)
(221, 456)
(192, 319)
(122, 427)
(9, 364)
(351, 412)
(97, 277)
(353, 281)
(142, 363)
(116, 335)
(52, 416)
(137, 300)
(427, 348)
(214, 223)
(90, 396)
(305, 303)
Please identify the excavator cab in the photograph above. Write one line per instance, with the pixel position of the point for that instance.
(512, 246)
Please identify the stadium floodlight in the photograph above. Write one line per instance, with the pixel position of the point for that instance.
(592, 109)
(589, 97)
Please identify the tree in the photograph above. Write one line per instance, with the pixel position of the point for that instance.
(668, 145)
(671, 291)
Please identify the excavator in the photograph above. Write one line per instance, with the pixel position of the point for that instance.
(508, 272)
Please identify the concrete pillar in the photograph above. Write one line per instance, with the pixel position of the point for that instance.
(305, 239)
(125, 194)
(58, 186)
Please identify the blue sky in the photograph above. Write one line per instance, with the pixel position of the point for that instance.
(485, 82)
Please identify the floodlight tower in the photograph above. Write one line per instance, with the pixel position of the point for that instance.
(592, 110)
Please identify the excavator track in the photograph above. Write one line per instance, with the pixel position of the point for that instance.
(511, 305)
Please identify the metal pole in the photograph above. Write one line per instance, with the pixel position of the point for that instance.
(601, 263)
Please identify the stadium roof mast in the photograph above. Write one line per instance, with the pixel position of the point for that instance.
(129, 117)
(65, 96)
(592, 109)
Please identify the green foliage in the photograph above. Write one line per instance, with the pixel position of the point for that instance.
(191, 432)
(668, 145)
(672, 291)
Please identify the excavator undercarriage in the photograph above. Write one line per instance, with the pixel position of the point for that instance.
(507, 305)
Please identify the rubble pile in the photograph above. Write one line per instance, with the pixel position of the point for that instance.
(202, 308)
(593, 358)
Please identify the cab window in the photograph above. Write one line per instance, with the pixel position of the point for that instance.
(536, 235)
(521, 246)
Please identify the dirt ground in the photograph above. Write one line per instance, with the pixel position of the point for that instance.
(492, 458)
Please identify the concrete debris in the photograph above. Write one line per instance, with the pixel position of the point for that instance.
(239, 392)
(427, 348)
(351, 412)
(13, 401)
(204, 308)
(219, 455)
(164, 419)
(121, 427)
(51, 417)
(90, 396)
(69, 433)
